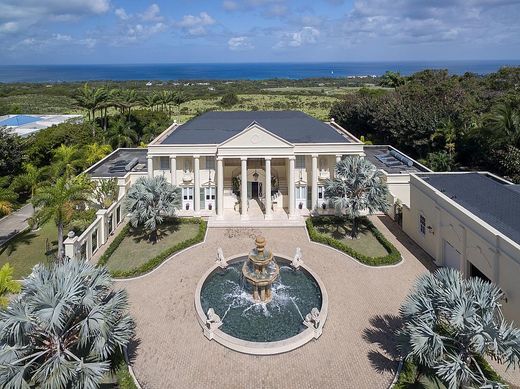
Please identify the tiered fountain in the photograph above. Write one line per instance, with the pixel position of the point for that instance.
(260, 305)
(261, 271)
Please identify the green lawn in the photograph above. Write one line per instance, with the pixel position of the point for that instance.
(366, 243)
(135, 249)
(29, 248)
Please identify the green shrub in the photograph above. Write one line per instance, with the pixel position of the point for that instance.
(124, 379)
(391, 258)
(157, 260)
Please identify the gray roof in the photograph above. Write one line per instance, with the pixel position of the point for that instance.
(114, 165)
(217, 127)
(492, 200)
(395, 167)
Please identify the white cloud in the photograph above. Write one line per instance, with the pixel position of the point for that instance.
(267, 7)
(121, 14)
(240, 43)
(307, 35)
(152, 14)
(9, 27)
(196, 25)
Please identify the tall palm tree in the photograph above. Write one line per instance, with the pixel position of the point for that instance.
(95, 152)
(503, 124)
(151, 100)
(31, 178)
(66, 160)
(122, 134)
(91, 99)
(64, 329)
(450, 323)
(149, 201)
(7, 197)
(128, 98)
(358, 187)
(57, 201)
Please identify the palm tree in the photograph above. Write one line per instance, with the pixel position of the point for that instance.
(64, 329)
(7, 284)
(503, 125)
(91, 99)
(128, 98)
(57, 201)
(358, 186)
(451, 323)
(151, 100)
(31, 178)
(95, 152)
(66, 160)
(7, 197)
(149, 201)
(122, 134)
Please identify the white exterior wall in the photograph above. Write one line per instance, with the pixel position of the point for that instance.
(495, 255)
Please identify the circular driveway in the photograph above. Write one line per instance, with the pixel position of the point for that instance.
(356, 348)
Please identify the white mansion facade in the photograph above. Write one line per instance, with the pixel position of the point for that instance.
(246, 163)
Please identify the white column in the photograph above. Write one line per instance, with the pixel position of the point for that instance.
(196, 173)
(314, 189)
(243, 188)
(150, 166)
(220, 188)
(267, 190)
(291, 188)
(173, 169)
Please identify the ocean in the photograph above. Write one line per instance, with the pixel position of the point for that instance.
(235, 71)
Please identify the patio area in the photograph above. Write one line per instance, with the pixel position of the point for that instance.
(354, 350)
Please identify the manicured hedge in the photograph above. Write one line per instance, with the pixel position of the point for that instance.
(391, 258)
(157, 260)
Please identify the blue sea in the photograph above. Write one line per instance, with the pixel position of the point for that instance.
(234, 71)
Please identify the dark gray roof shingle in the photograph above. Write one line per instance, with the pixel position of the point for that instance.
(217, 127)
(491, 200)
(114, 165)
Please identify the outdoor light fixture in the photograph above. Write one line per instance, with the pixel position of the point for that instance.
(430, 230)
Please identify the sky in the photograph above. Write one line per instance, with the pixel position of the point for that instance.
(194, 31)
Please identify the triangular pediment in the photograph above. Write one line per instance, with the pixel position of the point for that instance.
(255, 136)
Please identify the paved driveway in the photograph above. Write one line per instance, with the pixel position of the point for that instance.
(355, 350)
(15, 222)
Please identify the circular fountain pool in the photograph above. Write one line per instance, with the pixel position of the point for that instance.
(294, 294)
(261, 303)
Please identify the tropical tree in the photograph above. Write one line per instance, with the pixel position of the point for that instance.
(440, 161)
(503, 125)
(30, 179)
(57, 201)
(122, 134)
(452, 323)
(7, 197)
(64, 329)
(106, 192)
(358, 187)
(392, 79)
(149, 201)
(66, 160)
(91, 99)
(151, 100)
(7, 284)
(127, 99)
(95, 152)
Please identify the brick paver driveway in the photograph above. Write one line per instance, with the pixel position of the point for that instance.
(355, 350)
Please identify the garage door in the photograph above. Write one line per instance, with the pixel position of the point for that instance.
(451, 256)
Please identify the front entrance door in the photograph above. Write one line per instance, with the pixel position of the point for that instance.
(254, 190)
(209, 202)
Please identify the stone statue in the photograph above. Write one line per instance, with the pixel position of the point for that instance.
(213, 320)
(312, 320)
(298, 258)
(221, 261)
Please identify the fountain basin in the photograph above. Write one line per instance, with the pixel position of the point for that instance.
(256, 327)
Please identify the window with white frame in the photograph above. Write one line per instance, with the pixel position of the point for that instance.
(422, 224)
(187, 193)
(210, 163)
(300, 162)
(321, 192)
(164, 163)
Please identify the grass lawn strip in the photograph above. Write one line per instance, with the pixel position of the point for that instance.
(29, 248)
(371, 254)
(130, 254)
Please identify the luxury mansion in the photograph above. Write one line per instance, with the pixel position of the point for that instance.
(269, 168)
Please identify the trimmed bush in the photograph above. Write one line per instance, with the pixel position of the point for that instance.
(391, 258)
(157, 260)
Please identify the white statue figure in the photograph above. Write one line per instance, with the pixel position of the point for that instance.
(298, 258)
(213, 320)
(221, 261)
(312, 320)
